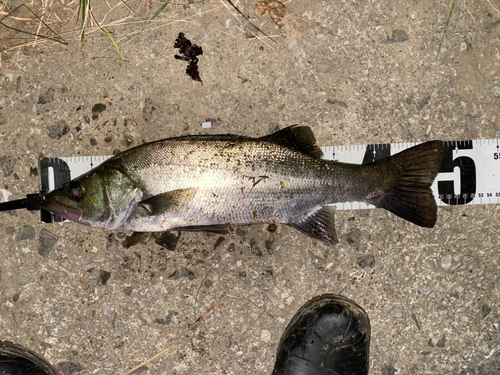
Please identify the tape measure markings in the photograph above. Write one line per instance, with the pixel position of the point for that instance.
(470, 173)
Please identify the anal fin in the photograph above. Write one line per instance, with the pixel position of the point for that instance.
(319, 224)
(165, 202)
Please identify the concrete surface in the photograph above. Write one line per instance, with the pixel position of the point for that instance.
(75, 295)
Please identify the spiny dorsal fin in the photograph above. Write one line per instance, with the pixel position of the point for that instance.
(319, 224)
(297, 138)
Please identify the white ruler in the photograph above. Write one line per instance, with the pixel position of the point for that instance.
(470, 173)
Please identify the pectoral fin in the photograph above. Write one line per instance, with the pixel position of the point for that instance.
(165, 202)
(319, 224)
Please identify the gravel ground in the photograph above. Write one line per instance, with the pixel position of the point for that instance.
(355, 72)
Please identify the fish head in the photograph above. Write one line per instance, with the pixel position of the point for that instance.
(81, 200)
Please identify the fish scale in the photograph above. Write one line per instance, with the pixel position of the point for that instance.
(268, 184)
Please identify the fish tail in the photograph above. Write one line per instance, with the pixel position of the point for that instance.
(406, 190)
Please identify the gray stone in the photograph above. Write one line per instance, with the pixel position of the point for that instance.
(485, 310)
(441, 342)
(421, 104)
(104, 277)
(168, 240)
(391, 272)
(97, 109)
(47, 96)
(8, 164)
(337, 102)
(398, 36)
(58, 130)
(495, 90)
(183, 272)
(366, 261)
(388, 370)
(219, 242)
(47, 241)
(26, 233)
(149, 108)
(353, 236)
(168, 319)
(3, 120)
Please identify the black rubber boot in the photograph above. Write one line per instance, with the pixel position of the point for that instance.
(329, 335)
(16, 360)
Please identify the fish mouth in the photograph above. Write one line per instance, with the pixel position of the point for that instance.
(68, 212)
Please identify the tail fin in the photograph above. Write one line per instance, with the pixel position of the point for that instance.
(406, 192)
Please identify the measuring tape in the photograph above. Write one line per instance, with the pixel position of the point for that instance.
(470, 173)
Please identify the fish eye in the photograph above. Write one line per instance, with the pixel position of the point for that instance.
(76, 191)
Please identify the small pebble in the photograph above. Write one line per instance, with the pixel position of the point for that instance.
(97, 109)
(26, 233)
(446, 262)
(495, 90)
(47, 96)
(366, 261)
(59, 129)
(389, 370)
(108, 310)
(265, 335)
(353, 236)
(168, 240)
(47, 241)
(441, 342)
(104, 277)
(485, 310)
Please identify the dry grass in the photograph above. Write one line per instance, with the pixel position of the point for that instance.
(65, 22)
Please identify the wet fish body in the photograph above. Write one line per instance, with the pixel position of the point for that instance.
(210, 182)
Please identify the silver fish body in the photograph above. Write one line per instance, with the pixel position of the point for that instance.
(200, 182)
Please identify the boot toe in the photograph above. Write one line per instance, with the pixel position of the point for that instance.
(328, 335)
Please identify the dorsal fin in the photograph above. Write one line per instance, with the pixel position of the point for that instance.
(297, 138)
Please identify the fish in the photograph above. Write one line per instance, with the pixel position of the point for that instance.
(212, 182)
